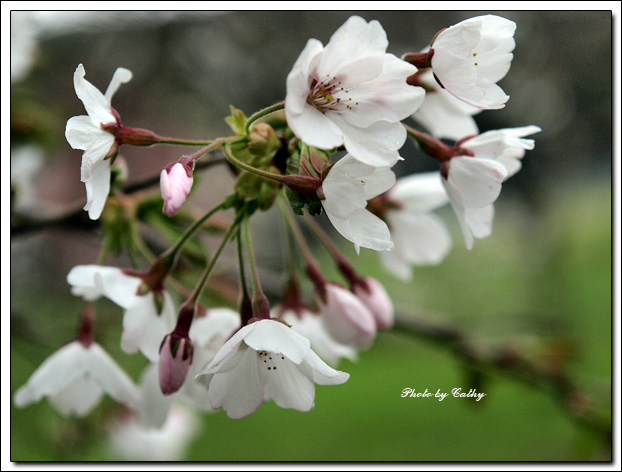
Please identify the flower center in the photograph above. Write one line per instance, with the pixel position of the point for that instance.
(328, 94)
(270, 359)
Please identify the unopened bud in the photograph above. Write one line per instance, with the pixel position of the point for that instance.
(175, 185)
(375, 297)
(175, 359)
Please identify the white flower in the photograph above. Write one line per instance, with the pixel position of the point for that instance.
(346, 318)
(420, 236)
(86, 133)
(74, 379)
(265, 361)
(347, 187)
(352, 93)
(144, 327)
(473, 182)
(472, 56)
(133, 442)
(310, 326)
(444, 115)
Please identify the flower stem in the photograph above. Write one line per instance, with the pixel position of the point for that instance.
(313, 269)
(261, 306)
(183, 142)
(193, 299)
(262, 173)
(262, 113)
(430, 145)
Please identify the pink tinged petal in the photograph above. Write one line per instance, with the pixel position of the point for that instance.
(273, 336)
(175, 186)
(287, 386)
(239, 388)
(480, 220)
(460, 212)
(121, 76)
(154, 406)
(355, 38)
(511, 159)
(299, 79)
(346, 318)
(109, 376)
(55, 374)
(314, 128)
(476, 181)
(377, 300)
(97, 189)
(96, 104)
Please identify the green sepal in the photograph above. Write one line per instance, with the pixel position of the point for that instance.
(237, 121)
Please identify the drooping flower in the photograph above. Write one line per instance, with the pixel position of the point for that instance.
(175, 184)
(74, 379)
(347, 188)
(420, 236)
(86, 133)
(352, 93)
(346, 318)
(266, 360)
(442, 114)
(473, 178)
(470, 57)
(145, 324)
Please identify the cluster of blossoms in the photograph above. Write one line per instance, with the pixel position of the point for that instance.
(349, 96)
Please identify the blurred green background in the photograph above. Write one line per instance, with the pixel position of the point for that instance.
(541, 284)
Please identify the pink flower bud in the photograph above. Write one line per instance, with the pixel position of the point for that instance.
(375, 297)
(175, 359)
(175, 184)
(346, 318)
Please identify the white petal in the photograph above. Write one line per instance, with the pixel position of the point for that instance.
(273, 336)
(395, 264)
(154, 407)
(299, 79)
(57, 372)
(477, 181)
(121, 76)
(480, 220)
(96, 104)
(97, 189)
(322, 373)
(229, 349)
(79, 398)
(111, 378)
(289, 387)
(364, 229)
(444, 118)
(239, 390)
(355, 38)
(314, 128)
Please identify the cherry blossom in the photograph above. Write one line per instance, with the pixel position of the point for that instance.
(347, 188)
(144, 325)
(75, 378)
(470, 57)
(352, 93)
(473, 180)
(86, 133)
(375, 297)
(266, 360)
